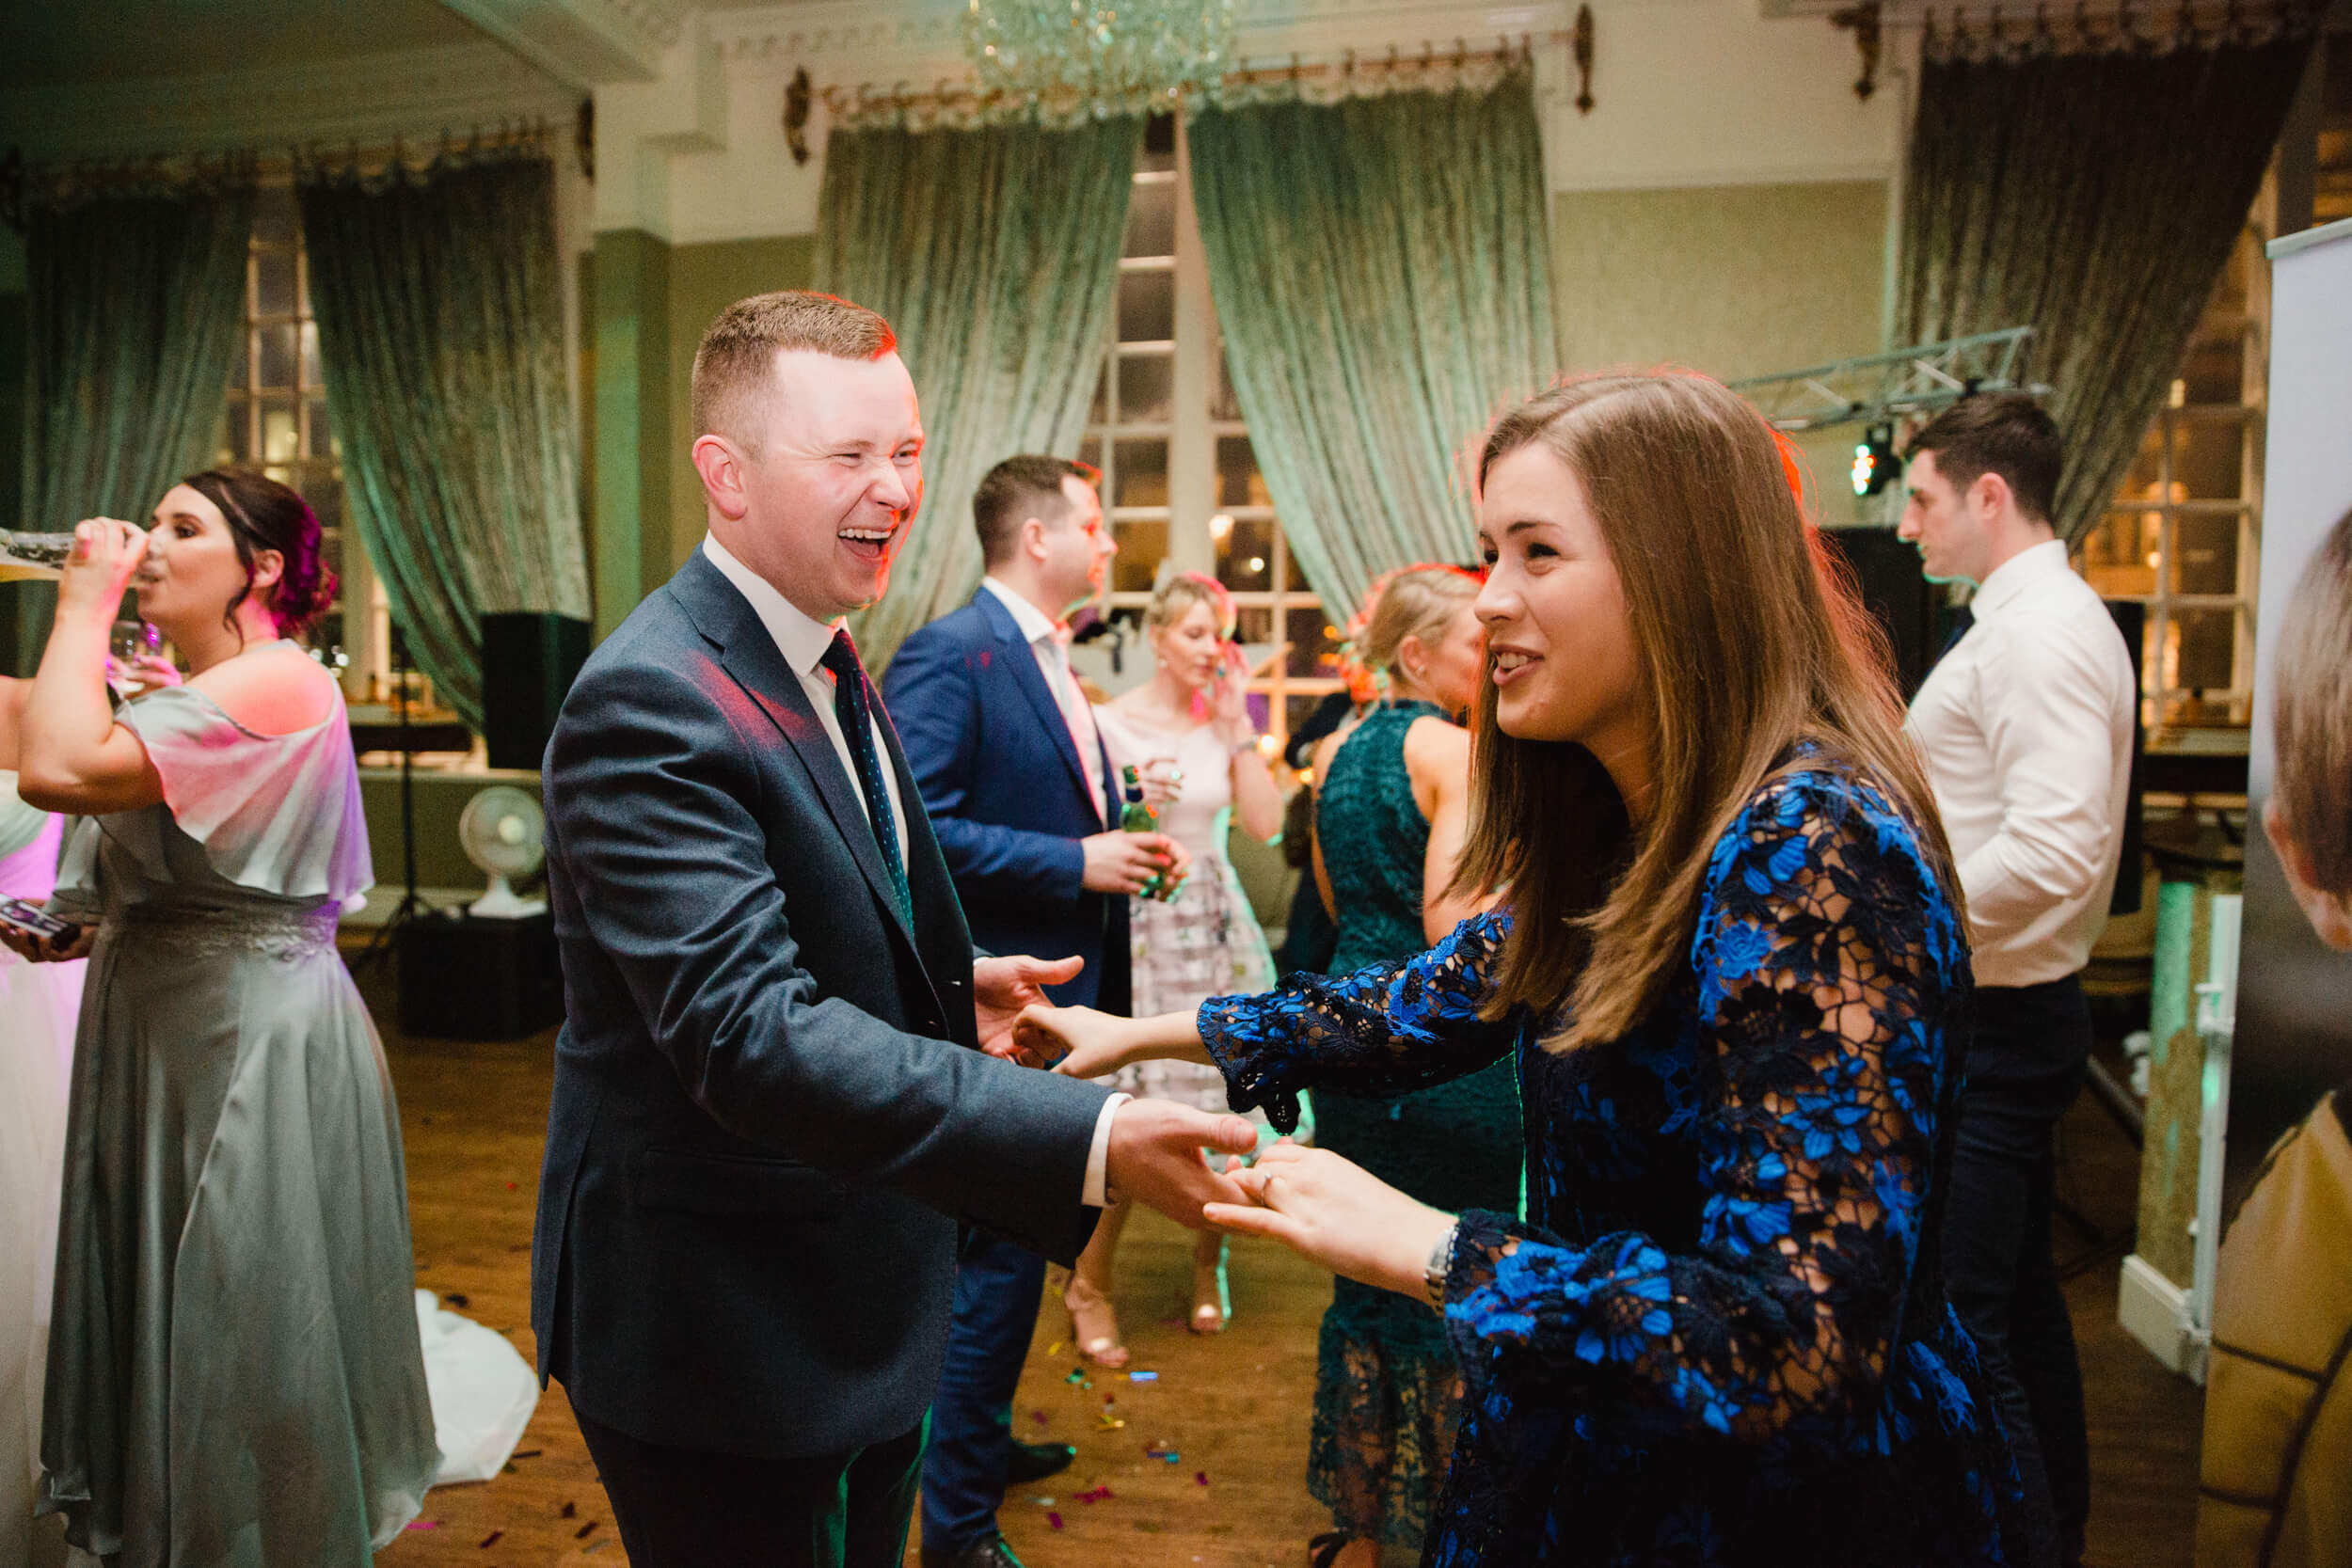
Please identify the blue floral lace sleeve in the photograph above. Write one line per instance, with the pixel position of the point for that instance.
(1380, 1031)
(1823, 959)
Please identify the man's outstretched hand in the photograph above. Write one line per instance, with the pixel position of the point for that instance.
(1002, 987)
(1155, 1157)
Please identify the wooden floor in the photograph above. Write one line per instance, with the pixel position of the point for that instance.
(1233, 1409)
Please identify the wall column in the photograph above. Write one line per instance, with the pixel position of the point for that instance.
(632, 457)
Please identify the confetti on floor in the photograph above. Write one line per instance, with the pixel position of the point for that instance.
(1201, 1477)
(490, 1540)
(1143, 1377)
(1054, 1519)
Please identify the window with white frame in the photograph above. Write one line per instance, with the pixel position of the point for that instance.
(2184, 531)
(276, 420)
(1181, 483)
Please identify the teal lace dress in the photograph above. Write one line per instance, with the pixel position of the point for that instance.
(1388, 1386)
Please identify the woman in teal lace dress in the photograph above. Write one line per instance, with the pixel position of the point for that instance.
(1391, 802)
(1729, 973)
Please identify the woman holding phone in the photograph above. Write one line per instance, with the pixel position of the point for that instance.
(1187, 732)
(234, 1370)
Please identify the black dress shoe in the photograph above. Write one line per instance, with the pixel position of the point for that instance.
(995, 1552)
(1035, 1461)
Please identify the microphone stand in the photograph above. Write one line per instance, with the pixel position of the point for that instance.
(410, 906)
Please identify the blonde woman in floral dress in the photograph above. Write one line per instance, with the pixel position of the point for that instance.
(1188, 732)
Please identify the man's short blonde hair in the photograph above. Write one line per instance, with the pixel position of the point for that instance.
(738, 354)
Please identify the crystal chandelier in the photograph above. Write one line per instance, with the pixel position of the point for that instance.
(1107, 54)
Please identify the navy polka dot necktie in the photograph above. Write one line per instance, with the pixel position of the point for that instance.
(854, 704)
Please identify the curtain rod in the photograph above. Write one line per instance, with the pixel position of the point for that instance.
(870, 97)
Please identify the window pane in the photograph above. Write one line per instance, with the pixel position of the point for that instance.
(325, 496)
(1238, 482)
(1253, 624)
(1152, 220)
(2118, 554)
(224, 433)
(1090, 453)
(1142, 472)
(1245, 556)
(2207, 649)
(2204, 554)
(1227, 403)
(274, 218)
(1147, 307)
(1159, 143)
(240, 431)
(1142, 546)
(2213, 368)
(280, 440)
(1147, 383)
(311, 372)
(2144, 480)
(2208, 461)
(274, 283)
(1313, 650)
(323, 443)
(276, 355)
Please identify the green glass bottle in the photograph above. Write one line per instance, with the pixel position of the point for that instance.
(1140, 818)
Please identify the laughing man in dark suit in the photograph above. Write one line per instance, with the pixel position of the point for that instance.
(774, 1093)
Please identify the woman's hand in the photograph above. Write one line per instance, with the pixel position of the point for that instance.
(106, 553)
(1077, 1042)
(1229, 700)
(33, 949)
(1163, 781)
(1337, 1214)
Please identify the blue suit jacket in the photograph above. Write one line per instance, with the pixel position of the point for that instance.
(1000, 777)
(768, 1113)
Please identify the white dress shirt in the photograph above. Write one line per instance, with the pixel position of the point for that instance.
(802, 642)
(2025, 725)
(1047, 639)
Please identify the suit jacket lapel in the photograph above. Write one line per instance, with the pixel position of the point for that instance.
(749, 655)
(1013, 650)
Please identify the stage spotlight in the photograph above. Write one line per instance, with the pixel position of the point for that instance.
(1874, 462)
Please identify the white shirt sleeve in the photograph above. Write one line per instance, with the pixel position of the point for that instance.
(2053, 766)
(1095, 1193)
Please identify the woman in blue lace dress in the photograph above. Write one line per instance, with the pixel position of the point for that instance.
(1729, 971)
(1393, 801)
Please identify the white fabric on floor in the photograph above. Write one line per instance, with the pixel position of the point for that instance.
(483, 1392)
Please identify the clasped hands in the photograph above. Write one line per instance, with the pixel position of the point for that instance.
(1325, 1208)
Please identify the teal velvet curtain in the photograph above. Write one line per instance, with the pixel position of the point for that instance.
(441, 328)
(1382, 271)
(135, 318)
(994, 252)
(2094, 198)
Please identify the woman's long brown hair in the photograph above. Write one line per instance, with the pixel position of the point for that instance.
(1749, 637)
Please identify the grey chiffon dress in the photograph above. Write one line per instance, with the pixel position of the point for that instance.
(234, 1377)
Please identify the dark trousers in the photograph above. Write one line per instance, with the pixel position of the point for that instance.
(2026, 1059)
(997, 1287)
(692, 1507)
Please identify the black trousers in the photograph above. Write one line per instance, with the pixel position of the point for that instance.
(692, 1508)
(2026, 1059)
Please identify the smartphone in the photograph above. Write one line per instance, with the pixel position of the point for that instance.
(38, 922)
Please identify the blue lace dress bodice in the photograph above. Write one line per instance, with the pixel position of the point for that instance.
(1720, 1337)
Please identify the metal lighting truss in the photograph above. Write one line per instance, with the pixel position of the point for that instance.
(1884, 388)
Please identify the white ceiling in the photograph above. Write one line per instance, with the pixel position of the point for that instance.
(47, 44)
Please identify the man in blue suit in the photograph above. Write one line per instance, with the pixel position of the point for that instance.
(774, 1095)
(1026, 802)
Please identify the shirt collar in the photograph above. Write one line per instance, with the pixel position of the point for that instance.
(802, 640)
(2018, 573)
(1033, 621)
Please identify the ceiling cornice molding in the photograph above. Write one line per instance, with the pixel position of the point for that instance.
(582, 43)
(366, 98)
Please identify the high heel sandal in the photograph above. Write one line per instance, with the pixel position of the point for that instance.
(1323, 1550)
(1211, 1306)
(1090, 1316)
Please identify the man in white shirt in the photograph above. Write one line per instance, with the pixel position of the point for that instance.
(2025, 725)
(776, 1091)
(1002, 744)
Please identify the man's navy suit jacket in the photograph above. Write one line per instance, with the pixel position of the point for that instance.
(769, 1113)
(1000, 778)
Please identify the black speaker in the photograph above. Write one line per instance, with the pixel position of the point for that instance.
(1897, 594)
(528, 663)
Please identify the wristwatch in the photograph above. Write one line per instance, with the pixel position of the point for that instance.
(1440, 1264)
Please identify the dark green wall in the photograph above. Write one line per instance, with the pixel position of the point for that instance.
(12, 342)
